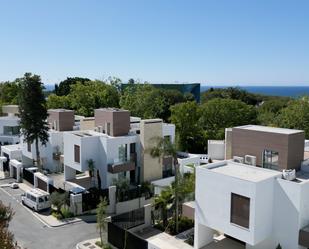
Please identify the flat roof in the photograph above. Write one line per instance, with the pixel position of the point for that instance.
(269, 129)
(242, 171)
(112, 109)
(60, 110)
(11, 147)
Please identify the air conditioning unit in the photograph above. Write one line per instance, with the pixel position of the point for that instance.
(238, 159)
(250, 160)
(289, 174)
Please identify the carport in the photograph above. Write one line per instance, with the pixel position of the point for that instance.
(15, 169)
(42, 181)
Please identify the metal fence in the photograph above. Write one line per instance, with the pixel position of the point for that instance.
(132, 193)
(92, 198)
(124, 239)
(130, 219)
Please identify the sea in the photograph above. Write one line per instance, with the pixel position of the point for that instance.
(288, 91)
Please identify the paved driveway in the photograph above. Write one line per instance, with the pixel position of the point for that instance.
(33, 234)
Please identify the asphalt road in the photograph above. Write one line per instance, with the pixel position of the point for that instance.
(30, 233)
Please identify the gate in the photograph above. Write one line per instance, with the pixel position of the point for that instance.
(124, 239)
(6, 164)
(41, 184)
(28, 176)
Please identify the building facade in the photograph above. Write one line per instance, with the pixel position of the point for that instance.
(256, 204)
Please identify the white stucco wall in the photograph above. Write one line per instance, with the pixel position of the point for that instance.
(169, 130)
(216, 149)
(213, 203)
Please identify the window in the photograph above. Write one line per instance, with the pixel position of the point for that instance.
(240, 210)
(132, 148)
(41, 199)
(29, 147)
(122, 152)
(270, 159)
(11, 130)
(76, 153)
(33, 198)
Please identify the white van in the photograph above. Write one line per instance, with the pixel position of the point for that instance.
(36, 199)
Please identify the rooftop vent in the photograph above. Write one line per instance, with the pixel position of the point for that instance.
(289, 174)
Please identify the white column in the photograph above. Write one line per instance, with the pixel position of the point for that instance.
(69, 173)
(203, 235)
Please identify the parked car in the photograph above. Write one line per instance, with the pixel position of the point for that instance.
(36, 199)
(14, 185)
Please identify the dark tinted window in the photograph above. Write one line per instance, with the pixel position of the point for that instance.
(76, 153)
(240, 210)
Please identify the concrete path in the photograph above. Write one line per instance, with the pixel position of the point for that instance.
(88, 244)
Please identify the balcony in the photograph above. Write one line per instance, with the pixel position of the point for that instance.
(118, 167)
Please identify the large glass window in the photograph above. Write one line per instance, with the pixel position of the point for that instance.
(240, 210)
(11, 130)
(271, 159)
(122, 152)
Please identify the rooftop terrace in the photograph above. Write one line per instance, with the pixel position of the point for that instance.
(242, 171)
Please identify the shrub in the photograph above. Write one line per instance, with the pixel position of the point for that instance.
(66, 213)
(104, 246)
(183, 225)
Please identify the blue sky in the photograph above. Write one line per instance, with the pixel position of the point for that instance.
(249, 42)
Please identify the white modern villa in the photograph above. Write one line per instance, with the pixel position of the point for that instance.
(259, 196)
(114, 141)
(118, 147)
(9, 125)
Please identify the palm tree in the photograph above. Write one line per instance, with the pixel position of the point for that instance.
(162, 202)
(101, 218)
(165, 148)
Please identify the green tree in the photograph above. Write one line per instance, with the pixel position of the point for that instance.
(189, 135)
(165, 148)
(278, 246)
(6, 237)
(143, 100)
(218, 114)
(33, 112)
(64, 86)
(269, 110)
(187, 189)
(295, 115)
(54, 102)
(101, 218)
(115, 82)
(231, 93)
(9, 92)
(172, 97)
(58, 200)
(84, 98)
